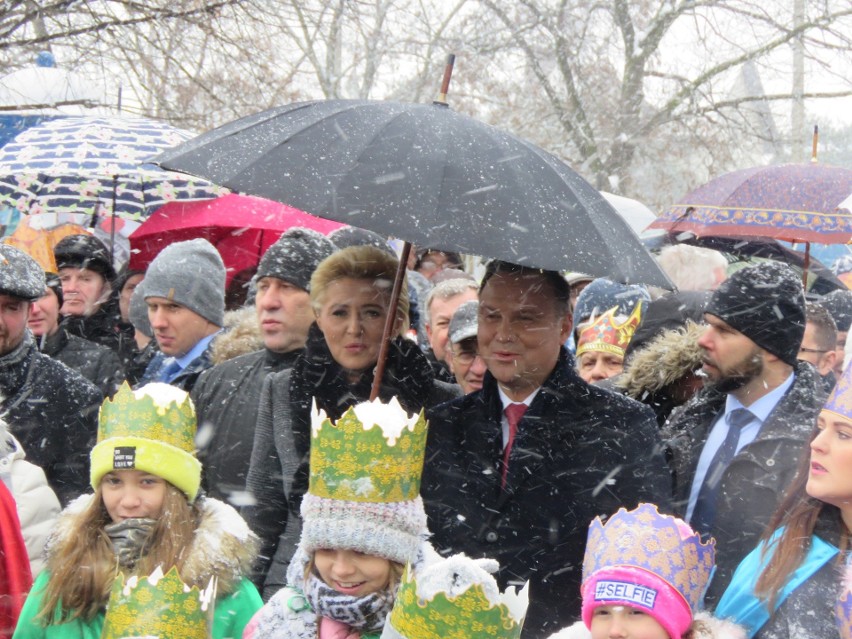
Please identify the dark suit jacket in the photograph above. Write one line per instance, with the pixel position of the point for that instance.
(756, 479)
(580, 451)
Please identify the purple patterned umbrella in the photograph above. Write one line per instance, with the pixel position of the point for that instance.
(793, 202)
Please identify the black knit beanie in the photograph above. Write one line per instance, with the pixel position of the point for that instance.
(839, 306)
(295, 256)
(766, 303)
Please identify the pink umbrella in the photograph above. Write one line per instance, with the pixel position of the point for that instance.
(241, 227)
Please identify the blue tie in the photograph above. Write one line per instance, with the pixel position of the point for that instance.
(169, 371)
(704, 513)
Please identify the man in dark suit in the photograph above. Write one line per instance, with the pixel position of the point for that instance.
(517, 470)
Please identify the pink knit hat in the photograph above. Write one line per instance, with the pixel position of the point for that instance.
(648, 561)
(637, 588)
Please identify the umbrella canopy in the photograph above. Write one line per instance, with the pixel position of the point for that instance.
(241, 227)
(38, 241)
(793, 202)
(427, 175)
(636, 214)
(94, 166)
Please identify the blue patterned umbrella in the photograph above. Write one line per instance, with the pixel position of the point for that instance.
(95, 166)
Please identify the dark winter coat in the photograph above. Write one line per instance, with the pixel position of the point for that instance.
(53, 412)
(101, 327)
(580, 451)
(226, 401)
(278, 473)
(99, 364)
(808, 609)
(756, 479)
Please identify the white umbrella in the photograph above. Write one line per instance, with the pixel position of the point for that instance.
(637, 215)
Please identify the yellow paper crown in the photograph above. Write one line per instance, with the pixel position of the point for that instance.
(373, 453)
(471, 613)
(160, 606)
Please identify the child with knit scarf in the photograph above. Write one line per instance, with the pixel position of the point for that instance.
(362, 521)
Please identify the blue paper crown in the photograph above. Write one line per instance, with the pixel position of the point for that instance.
(643, 538)
(840, 400)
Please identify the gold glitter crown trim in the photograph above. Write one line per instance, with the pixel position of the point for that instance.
(373, 453)
(606, 334)
(155, 411)
(470, 614)
(160, 606)
(660, 544)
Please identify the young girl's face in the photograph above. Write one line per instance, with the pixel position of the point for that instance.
(351, 572)
(129, 494)
(625, 622)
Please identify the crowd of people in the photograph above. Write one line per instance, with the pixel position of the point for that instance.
(545, 454)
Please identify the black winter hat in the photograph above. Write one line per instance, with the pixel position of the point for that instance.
(20, 275)
(55, 284)
(295, 256)
(84, 251)
(839, 305)
(766, 303)
(354, 236)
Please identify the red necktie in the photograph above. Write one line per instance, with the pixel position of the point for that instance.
(514, 413)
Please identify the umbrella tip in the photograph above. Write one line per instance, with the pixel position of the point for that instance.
(445, 83)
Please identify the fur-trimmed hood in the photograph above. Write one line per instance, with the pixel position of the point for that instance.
(705, 626)
(241, 336)
(666, 359)
(223, 546)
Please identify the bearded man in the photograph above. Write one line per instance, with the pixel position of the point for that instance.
(735, 446)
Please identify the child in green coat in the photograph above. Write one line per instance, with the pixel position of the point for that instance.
(145, 517)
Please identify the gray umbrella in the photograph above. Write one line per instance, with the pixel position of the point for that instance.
(426, 174)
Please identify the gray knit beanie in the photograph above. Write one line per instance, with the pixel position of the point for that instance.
(295, 256)
(191, 274)
(138, 311)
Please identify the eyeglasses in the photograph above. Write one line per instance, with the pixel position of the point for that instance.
(465, 357)
(811, 350)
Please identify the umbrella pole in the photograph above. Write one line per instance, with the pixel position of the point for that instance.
(806, 266)
(112, 222)
(390, 320)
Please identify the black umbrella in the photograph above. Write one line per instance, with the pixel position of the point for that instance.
(425, 174)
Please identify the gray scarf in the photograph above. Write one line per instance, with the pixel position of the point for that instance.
(129, 539)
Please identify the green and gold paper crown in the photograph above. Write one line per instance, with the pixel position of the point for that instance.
(374, 453)
(166, 415)
(151, 430)
(472, 613)
(160, 606)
